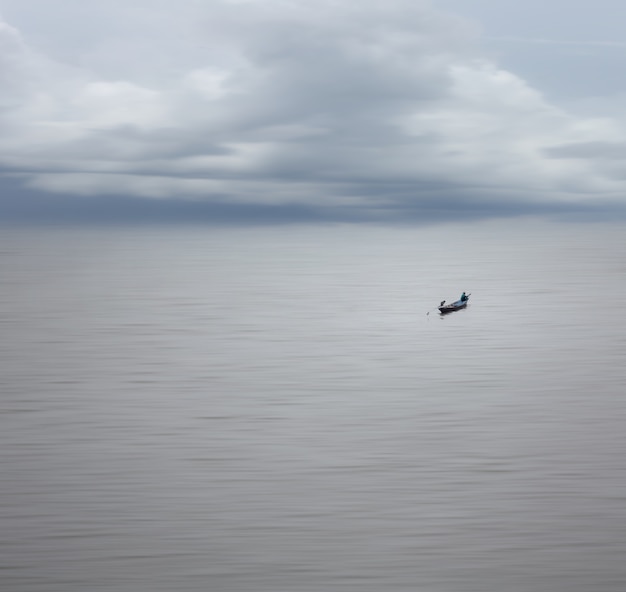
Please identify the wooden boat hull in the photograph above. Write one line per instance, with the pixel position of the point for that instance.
(458, 305)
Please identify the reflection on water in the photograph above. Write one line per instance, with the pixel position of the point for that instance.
(274, 410)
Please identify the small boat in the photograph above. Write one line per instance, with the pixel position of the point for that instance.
(458, 305)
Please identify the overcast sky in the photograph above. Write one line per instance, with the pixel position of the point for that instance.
(280, 110)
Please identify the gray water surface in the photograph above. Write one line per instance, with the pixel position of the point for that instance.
(273, 410)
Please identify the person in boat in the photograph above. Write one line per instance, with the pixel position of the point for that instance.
(464, 297)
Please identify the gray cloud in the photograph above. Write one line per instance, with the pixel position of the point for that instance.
(589, 150)
(285, 109)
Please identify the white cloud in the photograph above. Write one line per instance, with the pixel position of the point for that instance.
(282, 101)
(109, 104)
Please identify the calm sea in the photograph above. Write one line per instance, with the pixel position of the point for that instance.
(274, 410)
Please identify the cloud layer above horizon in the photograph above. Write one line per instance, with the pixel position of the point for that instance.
(335, 110)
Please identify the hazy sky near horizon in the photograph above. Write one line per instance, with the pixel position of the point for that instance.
(294, 110)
